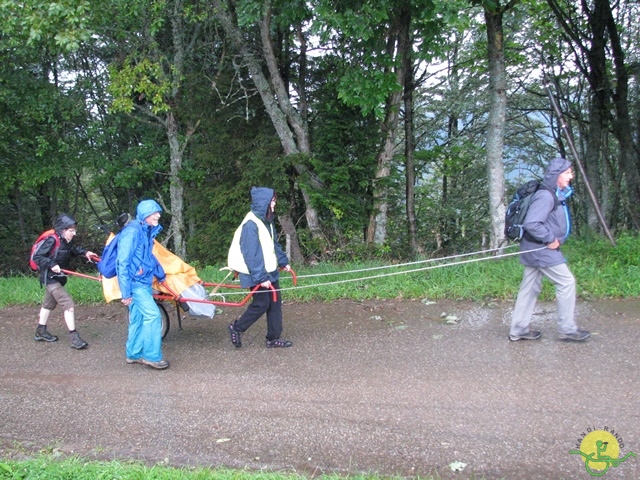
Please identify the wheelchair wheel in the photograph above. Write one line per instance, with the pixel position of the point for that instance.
(165, 319)
(164, 316)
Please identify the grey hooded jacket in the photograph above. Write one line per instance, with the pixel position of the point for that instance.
(547, 219)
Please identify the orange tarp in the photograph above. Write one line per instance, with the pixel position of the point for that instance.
(180, 275)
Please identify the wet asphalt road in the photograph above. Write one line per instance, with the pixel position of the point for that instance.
(386, 387)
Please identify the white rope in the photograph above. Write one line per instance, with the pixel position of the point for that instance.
(337, 282)
(404, 264)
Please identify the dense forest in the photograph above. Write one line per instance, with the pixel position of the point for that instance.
(388, 128)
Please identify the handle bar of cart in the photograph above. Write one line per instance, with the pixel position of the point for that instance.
(181, 301)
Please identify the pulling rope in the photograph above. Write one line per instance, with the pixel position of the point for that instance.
(359, 279)
(432, 267)
(405, 264)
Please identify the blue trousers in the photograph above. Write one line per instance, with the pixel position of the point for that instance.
(145, 326)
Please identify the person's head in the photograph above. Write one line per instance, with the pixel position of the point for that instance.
(263, 202)
(272, 207)
(65, 226)
(564, 179)
(559, 173)
(149, 212)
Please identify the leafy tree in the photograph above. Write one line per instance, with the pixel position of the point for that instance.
(148, 76)
(375, 42)
(42, 130)
(593, 31)
(251, 27)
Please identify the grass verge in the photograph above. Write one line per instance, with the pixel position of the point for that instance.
(47, 467)
(601, 271)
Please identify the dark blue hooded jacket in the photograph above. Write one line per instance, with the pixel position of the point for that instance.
(136, 264)
(547, 219)
(250, 243)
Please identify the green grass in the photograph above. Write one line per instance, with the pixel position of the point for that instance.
(601, 271)
(51, 466)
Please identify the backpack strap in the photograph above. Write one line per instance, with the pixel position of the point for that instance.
(556, 202)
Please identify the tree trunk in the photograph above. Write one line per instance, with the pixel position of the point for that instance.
(287, 121)
(629, 154)
(409, 150)
(377, 227)
(176, 188)
(496, 123)
(289, 229)
(176, 231)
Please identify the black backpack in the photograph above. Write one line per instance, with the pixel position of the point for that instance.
(517, 209)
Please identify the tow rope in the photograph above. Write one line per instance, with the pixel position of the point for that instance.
(409, 271)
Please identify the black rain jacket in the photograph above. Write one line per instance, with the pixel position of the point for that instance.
(62, 257)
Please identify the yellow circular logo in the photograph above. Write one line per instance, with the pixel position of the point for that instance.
(599, 445)
(600, 450)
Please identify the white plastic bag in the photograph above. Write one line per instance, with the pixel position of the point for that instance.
(198, 309)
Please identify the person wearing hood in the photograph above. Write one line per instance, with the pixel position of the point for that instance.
(136, 266)
(51, 262)
(257, 257)
(547, 224)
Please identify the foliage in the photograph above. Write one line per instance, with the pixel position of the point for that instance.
(360, 35)
(64, 24)
(63, 147)
(344, 157)
(221, 167)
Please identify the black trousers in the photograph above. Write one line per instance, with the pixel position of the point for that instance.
(261, 302)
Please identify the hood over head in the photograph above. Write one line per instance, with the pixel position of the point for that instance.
(62, 222)
(260, 199)
(554, 169)
(146, 208)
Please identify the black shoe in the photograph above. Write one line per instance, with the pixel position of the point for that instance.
(578, 336)
(43, 336)
(235, 336)
(530, 335)
(77, 342)
(159, 365)
(278, 343)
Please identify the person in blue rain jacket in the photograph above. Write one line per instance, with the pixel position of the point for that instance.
(136, 267)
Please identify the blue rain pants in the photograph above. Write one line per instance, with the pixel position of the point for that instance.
(145, 326)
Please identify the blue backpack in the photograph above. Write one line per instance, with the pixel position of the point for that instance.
(107, 264)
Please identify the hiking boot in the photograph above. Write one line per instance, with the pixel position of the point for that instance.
(77, 342)
(578, 336)
(43, 336)
(159, 365)
(278, 343)
(235, 336)
(131, 361)
(530, 335)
